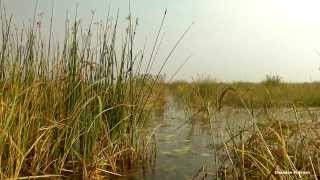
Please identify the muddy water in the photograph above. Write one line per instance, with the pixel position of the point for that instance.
(185, 146)
(182, 146)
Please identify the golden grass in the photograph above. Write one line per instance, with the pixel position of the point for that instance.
(74, 109)
(268, 144)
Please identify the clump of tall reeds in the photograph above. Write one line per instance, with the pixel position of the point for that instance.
(75, 108)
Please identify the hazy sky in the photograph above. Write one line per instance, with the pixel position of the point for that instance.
(231, 40)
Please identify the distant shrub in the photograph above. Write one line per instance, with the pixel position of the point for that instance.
(272, 80)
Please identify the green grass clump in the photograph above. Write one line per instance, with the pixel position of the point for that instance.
(272, 80)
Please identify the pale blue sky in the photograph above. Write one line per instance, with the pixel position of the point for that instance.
(231, 40)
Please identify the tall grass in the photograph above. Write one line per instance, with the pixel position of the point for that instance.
(76, 108)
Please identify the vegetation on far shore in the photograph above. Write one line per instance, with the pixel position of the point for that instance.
(270, 92)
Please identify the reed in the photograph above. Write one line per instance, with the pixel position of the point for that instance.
(77, 108)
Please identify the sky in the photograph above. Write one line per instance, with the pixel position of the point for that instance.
(231, 40)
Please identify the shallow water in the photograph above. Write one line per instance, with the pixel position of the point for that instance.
(185, 146)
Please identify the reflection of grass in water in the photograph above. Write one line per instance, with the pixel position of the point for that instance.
(166, 153)
(205, 154)
(182, 151)
(170, 169)
(178, 152)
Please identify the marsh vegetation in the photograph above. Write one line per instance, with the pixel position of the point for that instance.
(275, 137)
(91, 108)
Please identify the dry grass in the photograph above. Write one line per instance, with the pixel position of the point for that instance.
(78, 108)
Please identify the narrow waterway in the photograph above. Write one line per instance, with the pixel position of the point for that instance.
(184, 145)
